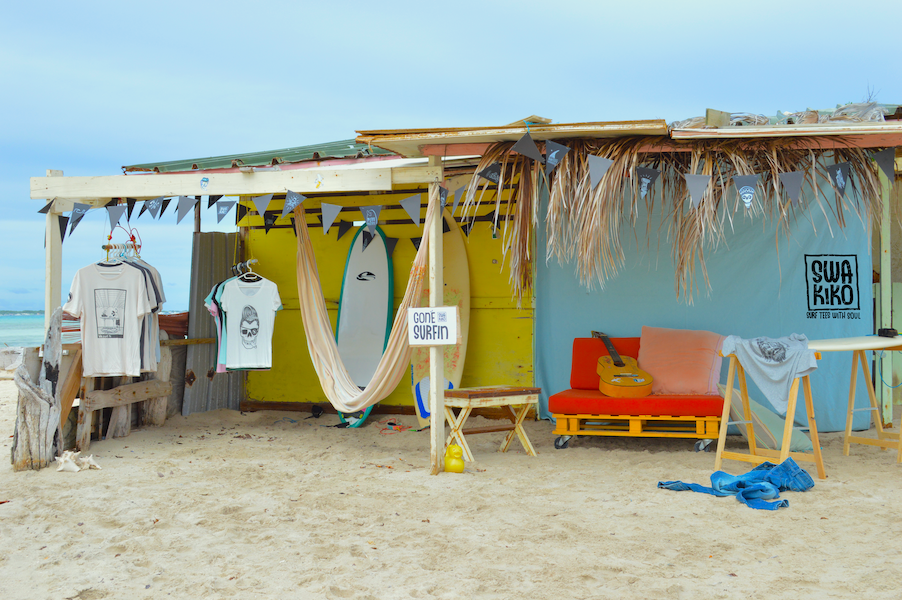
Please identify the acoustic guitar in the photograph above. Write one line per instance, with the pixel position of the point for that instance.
(620, 377)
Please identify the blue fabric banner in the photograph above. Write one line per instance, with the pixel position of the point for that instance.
(817, 282)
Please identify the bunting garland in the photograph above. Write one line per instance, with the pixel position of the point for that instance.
(590, 195)
(222, 208)
(745, 187)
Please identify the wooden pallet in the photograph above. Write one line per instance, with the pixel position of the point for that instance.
(638, 426)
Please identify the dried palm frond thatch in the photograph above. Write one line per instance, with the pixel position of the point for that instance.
(585, 224)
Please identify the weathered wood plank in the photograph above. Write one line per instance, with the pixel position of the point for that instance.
(70, 387)
(229, 184)
(126, 394)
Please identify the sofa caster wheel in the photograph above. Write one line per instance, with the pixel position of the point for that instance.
(562, 442)
(704, 445)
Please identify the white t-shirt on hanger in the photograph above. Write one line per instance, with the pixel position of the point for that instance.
(250, 309)
(111, 302)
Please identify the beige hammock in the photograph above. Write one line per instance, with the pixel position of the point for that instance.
(338, 386)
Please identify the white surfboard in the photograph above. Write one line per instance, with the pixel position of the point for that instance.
(365, 311)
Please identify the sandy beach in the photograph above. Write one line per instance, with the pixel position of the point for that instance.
(275, 505)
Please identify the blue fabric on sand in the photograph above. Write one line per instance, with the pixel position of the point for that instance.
(755, 488)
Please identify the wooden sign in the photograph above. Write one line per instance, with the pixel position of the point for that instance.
(432, 326)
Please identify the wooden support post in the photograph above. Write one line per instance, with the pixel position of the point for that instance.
(53, 258)
(85, 418)
(885, 394)
(436, 353)
(155, 410)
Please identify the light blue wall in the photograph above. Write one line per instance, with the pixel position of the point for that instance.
(758, 288)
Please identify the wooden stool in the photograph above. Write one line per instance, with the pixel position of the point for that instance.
(759, 455)
(467, 399)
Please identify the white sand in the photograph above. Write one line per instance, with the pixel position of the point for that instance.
(270, 505)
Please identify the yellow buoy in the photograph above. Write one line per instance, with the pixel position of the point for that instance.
(453, 461)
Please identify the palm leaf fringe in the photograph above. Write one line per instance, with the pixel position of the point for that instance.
(585, 225)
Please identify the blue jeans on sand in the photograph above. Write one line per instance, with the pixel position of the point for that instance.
(764, 482)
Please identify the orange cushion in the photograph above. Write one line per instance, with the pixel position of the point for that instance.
(583, 370)
(681, 361)
(593, 402)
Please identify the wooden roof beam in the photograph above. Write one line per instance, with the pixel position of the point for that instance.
(230, 184)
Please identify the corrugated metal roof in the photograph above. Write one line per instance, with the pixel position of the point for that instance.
(339, 149)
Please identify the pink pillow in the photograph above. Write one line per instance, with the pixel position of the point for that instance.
(681, 361)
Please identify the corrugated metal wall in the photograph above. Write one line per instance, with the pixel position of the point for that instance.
(212, 256)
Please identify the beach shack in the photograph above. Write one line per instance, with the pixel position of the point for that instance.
(557, 243)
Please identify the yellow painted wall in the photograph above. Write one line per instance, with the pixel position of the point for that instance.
(500, 347)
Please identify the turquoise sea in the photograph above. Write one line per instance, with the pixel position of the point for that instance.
(21, 330)
(26, 330)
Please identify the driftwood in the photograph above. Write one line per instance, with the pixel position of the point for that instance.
(121, 416)
(155, 409)
(37, 436)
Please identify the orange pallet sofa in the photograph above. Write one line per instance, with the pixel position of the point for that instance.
(694, 412)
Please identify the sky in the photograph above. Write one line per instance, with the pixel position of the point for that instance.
(91, 86)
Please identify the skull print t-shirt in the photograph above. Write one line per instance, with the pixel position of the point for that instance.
(250, 310)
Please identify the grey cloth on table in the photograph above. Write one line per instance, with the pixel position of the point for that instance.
(773, 363)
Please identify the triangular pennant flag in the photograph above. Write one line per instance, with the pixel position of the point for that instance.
(411, 204)
(371, 216)
(458, 196)
(839, 175)
(443, 195)
(445, 227)
(343, 228)
(492, 173)
(64, 222)
(746, 185)
(242, 211)
(165, 205)
(292, 200)
(115, 214)
(46, 208)
(527, 147)
(598, 166)
(78, 212)
(390, 244)
(697, 185)
(211, 200)
(367, 238)
(112, 202)
(262, 203)
(130, 202)
(554, 153)
(647, 177)
(886, 160)
(222, 209)
(330, 211)
(154, 206)
(143, 209)
(186, 203)
(416, 242)
(268, 221)
(792, 184)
